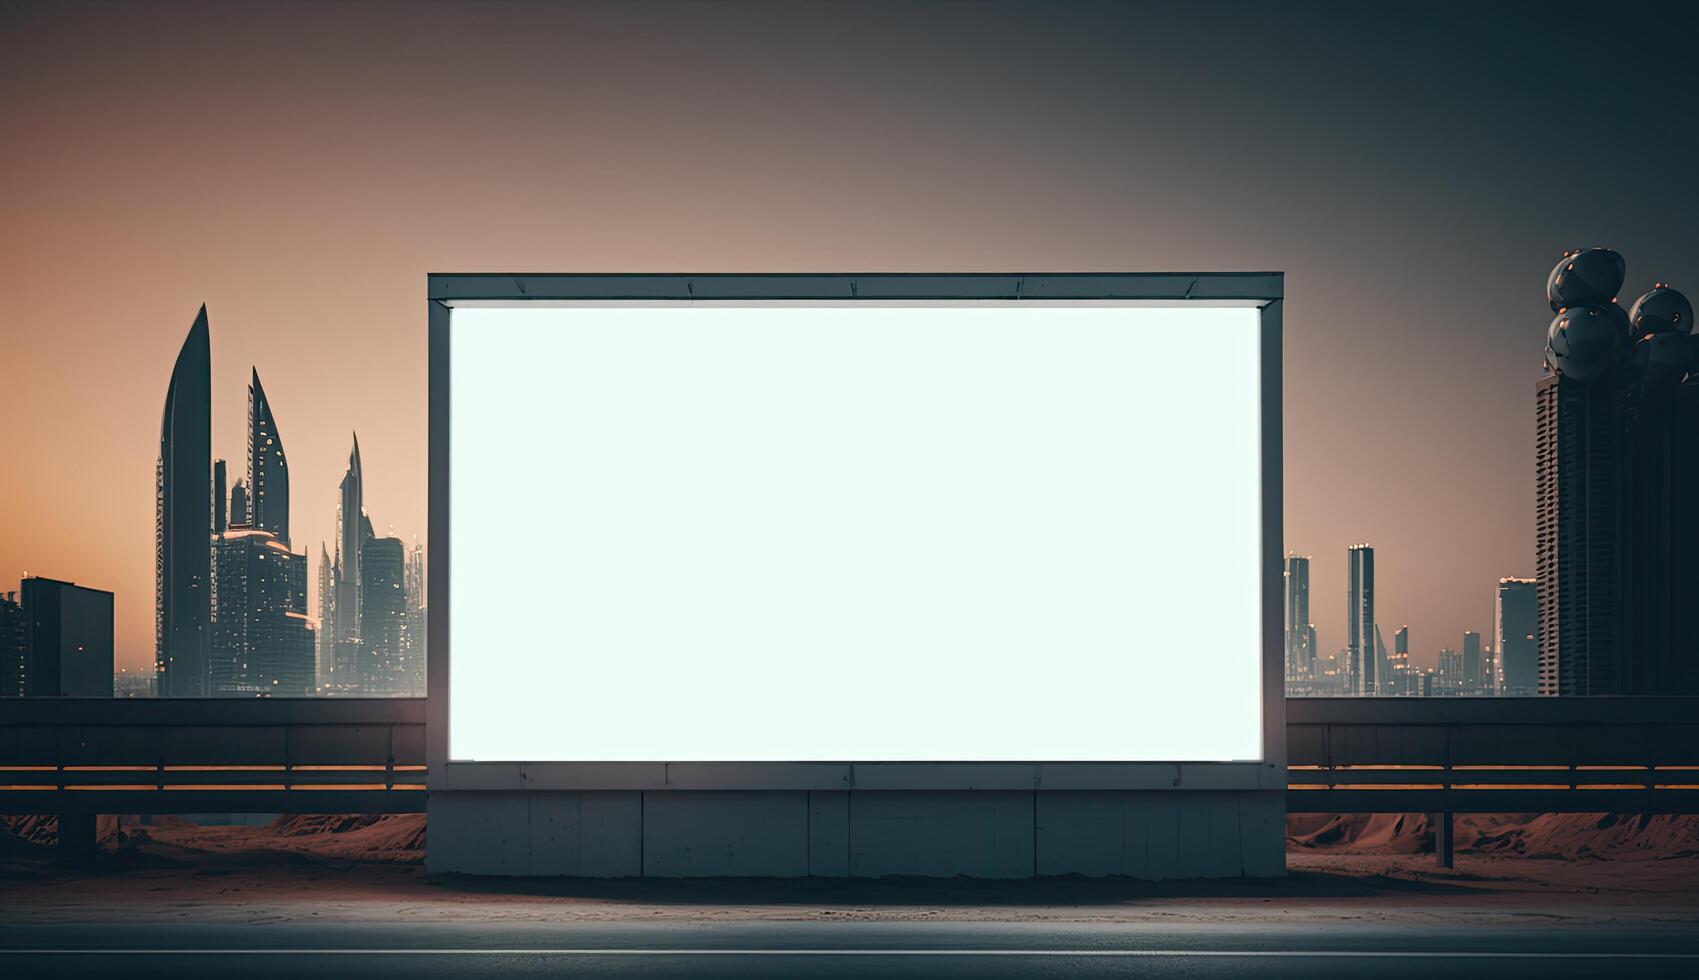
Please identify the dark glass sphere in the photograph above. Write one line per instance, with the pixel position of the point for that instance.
(1592, 275)
(1661, 310)
(1585, 342)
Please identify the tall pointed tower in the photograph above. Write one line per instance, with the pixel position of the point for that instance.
(350, 540)
(268, 471)
(183, 518)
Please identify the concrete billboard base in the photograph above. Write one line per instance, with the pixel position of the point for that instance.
(862, 834)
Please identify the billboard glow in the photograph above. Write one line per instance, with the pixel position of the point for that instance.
(789, 532)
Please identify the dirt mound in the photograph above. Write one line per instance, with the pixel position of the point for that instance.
(33, 830)
(1376, 833)
(335, 839)
(306, 824)
(1556, 835)
(352, 834)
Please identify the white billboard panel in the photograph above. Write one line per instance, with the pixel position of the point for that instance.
(922, 531)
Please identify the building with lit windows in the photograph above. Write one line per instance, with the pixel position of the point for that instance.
(183, 518)
(1448, 678)
(352, 532)
(268, 469)
(324, 637)
(1363, 676)
(1474, 666)
(67, 639)
(14, 655)
(383, 617)
(262, 639)
(1398, 663)
(1516, 628)
(1300, 632)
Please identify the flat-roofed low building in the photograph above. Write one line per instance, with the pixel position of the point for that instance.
(67, 639)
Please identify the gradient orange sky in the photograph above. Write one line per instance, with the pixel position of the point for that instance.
(300, 167)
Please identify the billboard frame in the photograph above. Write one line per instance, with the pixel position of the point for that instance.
(1263, 291)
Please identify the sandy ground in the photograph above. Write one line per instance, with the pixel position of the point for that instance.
(366, 869)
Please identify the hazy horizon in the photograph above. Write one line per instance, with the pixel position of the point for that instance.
(301, 168)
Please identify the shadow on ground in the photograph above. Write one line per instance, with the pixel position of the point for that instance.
(941, 892)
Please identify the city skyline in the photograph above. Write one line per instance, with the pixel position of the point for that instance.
(150, 187)
(254, 492)
(241, 623)
(244, 502)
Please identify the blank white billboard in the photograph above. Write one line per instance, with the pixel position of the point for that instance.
(855, 532)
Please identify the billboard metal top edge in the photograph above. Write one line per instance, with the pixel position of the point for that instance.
(1249, 286)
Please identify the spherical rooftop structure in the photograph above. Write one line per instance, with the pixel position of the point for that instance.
(1591, 275)
(1585, 342)
(1661, 310)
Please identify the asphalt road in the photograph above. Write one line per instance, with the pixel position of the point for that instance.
(843, 949)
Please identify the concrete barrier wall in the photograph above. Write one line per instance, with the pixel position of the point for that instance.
(864, 833)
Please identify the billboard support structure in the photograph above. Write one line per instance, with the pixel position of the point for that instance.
(990, 819)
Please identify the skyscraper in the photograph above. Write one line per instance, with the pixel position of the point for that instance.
(1617, 464)
(239, 503)
(1318, 680)
(1578, 544)
(1474, 668)
(220, 496)
(1383, 665)
(1300, 652)
(413, 645)
(262, 641)
(383, 616)
(1399, 663)
(1363, 678)
(14, 657)
(1515, 625)
(183, 516)
(324, 636)
(67, 639)
(352, 530)
(1449, 676)
(268, 471)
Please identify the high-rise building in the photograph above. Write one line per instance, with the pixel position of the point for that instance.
(1363, 677)
(14, 654)
(1474, 668)
(326, 641)
(183, 516)
(1398, 664)
(413, 644)
(220, 496)
(67, 639)
(1448, 679)
(239, 503)
(262, 641)
(352, 530)
(1383, 665)
(268, 470)
(1300, 651)
(383, 617)
(1335, 680)
(1515, 629)
(1617, 464)
(1578, 542)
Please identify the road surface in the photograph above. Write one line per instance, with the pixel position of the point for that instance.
(1448, 947)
